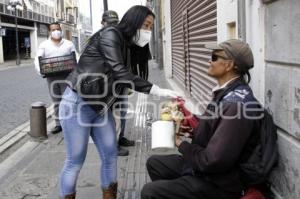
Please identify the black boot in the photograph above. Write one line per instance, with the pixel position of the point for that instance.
(122, 151)
(56, 130)
(123, 141)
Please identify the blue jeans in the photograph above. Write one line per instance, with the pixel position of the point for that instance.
(79, 121)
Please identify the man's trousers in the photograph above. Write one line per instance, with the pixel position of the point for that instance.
(56, 86)
(168, 182)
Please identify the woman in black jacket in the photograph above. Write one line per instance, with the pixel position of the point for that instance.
(140, 56)
(99, 78)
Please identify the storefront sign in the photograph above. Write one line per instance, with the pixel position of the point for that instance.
(42, 30)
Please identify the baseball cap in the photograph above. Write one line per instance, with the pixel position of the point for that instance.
(110, 16)
(236, 50)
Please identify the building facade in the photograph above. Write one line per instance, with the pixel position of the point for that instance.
(32, 27)
(74, 16)
(271, 28)
(85, 23)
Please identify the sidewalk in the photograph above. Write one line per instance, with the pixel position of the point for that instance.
(36, 173)
(12, 64)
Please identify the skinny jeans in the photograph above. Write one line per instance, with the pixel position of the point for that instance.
(79, 121)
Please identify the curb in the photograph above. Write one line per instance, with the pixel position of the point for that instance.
(16, 157)
(18, 133)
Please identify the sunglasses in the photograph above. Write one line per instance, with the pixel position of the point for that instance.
(215, 57)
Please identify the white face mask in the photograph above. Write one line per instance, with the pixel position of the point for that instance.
(143, 39)
(56, 34)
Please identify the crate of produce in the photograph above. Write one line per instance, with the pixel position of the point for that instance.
(53, 66)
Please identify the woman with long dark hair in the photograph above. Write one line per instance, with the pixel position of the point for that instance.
(140, 56)
(100, 77)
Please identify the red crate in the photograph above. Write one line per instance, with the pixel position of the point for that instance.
(53, 66)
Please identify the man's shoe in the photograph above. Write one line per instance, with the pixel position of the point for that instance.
(123, 141)
(56, 130)
(122, 151)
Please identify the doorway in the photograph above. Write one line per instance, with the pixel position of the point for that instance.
(9, 43)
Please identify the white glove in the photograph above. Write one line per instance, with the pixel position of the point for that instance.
(157, 91)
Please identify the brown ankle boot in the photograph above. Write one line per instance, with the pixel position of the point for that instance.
(111, 191)
(70, 196)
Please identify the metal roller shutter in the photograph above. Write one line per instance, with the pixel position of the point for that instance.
(194, 23)
(178, 73)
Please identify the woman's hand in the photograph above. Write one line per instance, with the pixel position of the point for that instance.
(157, 91)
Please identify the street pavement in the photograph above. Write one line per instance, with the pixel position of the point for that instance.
(33, 170)
(20, 86)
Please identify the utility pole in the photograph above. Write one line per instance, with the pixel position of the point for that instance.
(14, 6)
(18, 62)
(105, 5)
(91, 11)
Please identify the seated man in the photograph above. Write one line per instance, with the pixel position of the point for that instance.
(208, 168)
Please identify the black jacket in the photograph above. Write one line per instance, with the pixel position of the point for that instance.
(222, 142)
(103, 70)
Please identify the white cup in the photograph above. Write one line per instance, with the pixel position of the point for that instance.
(163, 134)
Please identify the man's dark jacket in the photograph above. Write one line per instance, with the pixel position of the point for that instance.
(222, 142)
(103, 63)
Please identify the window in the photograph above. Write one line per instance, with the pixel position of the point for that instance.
(34, 6)
(38, 7)
(2, 8)
(46, 10)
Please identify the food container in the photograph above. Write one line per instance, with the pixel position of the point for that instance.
(163, 134)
